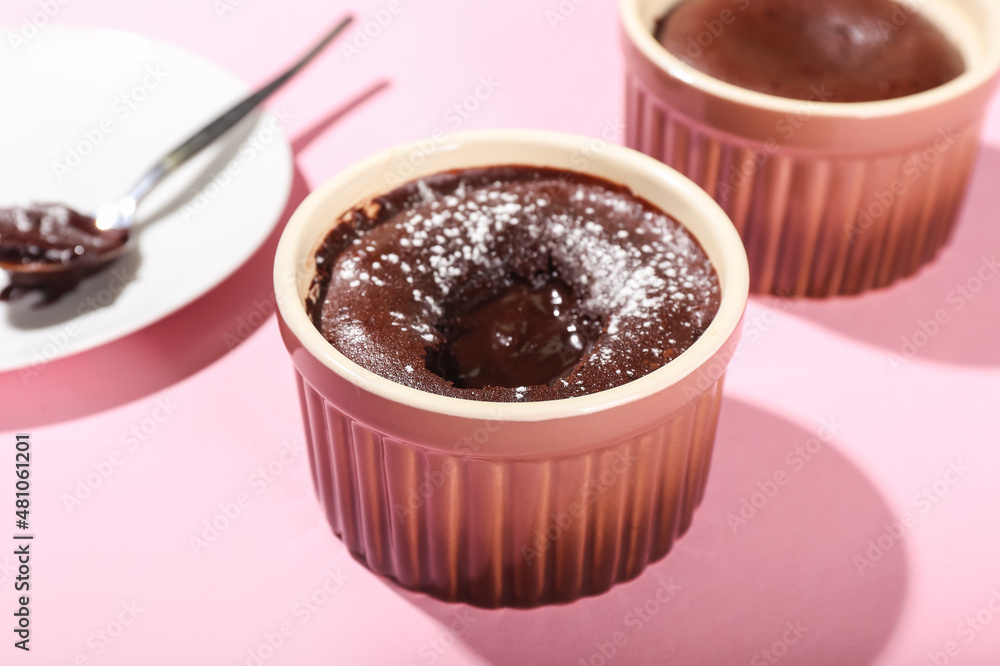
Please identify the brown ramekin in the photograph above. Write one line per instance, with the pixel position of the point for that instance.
(829, 198)
(497, 503)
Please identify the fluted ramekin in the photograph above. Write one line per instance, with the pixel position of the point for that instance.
(496, 503)
(829, 198)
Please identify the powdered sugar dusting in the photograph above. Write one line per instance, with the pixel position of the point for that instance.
(635, 267)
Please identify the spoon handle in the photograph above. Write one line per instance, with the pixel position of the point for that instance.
(220, 125)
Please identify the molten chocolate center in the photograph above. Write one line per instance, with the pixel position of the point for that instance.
(525, 335)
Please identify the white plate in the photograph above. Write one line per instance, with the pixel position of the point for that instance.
(85, 112)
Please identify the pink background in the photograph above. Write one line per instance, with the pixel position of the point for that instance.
(898, 430)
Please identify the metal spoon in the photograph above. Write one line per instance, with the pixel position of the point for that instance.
(117, 218)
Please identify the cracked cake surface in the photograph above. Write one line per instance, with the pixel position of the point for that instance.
(511, 283)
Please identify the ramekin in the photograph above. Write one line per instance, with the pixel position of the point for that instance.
(829, 198)
(499, 504)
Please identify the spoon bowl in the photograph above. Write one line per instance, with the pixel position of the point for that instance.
(55, 277)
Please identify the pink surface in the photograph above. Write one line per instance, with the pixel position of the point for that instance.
(788, 580)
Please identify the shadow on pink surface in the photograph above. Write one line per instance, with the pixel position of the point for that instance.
(156, 357)
(950, 310)
(811, 572)
(173, 348)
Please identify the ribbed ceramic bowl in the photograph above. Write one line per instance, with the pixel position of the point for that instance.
(829, 198)
(496, 503)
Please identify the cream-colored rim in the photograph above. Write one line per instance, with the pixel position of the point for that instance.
(956, 16)
(647, 177)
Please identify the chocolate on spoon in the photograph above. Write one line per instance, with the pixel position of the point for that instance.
(51, 248)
